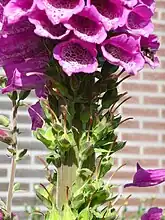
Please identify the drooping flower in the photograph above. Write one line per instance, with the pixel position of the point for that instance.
(19, 42)
(5, 137)
(44, 26)
(76, 56)
(139, 21)
(146, 178)
(16, 9)
(60, 10)
(153, 214)
(149, 47)
(110, 12)
(26, 75)
(87, 26)
(124, 50)
(36, 113)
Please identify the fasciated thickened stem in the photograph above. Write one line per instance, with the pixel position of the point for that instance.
(13, 160)
(66, 176)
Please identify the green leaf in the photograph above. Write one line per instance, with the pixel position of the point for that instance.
(109, 98)
(85, 214)
(4, 121)
(21, 154)
(68, 214)
(24, 94)
(105, 166)
(116, 121)
(78, 201)
(108, 69)
(87, 151)
(85, 114)
(16, 187)
(53, 215)
(118, 146)
(99, 197)
(43, 195)
(85, 173)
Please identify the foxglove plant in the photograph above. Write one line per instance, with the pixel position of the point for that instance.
(72, 54)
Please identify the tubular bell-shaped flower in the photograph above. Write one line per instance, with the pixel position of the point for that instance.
(149, 47)
(76, 56)
(26, 75)
(16, 9)
(110, 12)
(44, 26)
(139, 21)
(19, 42)
(87, 26)
(124, 50)
(36, 113)
(146, 178)
(60, 10)
(153, 214)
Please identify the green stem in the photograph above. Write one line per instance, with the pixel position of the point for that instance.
(13, 161)
(66, 176)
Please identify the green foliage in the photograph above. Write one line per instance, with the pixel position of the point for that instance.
(80, 133)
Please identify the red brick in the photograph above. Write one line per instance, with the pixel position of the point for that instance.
(139, 137)
(130, 124)
(141, 112)
(153, 75)
(154, 125)
(154, 189)
(140, 87)
(154, 100)
(130, 150)
(144, 163)
(154, 150)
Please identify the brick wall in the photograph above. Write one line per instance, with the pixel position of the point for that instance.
(145, 135)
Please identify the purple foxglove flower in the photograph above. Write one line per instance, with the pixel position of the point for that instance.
(153, 214)
(139, 21)
(149, 47)
(36, 113)
(87, 26)
(111, 13)
(60, 10)
(16, 9)
(146, 178)
(76, 56)
(26, 75)
(130, 3)
(15, 47)
(44, 26)
(124, 50)
(1, 17)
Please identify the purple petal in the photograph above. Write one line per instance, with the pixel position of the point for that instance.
(139, 21)
(36, 114)
(60, 10)
(16, 9)
(110, 12)
(19, 44)
(87, 26)
(147, 178)
(124, 50)
(149, 47)
(26, 75)
(153, 214)
(76, 56)
(44, 26)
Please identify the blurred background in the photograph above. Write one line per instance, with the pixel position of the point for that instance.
(145, 136)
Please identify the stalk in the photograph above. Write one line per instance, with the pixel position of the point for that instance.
(13, 160)
(66, 176)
